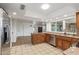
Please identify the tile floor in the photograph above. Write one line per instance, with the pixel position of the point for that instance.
(29, 49)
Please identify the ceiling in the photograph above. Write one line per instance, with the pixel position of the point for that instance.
(33, 10)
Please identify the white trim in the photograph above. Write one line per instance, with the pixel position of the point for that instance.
(10, 32)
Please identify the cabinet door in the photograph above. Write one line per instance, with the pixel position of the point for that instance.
(41, 38)
(38, 38)
(59, 42)
(74, 40)
(77, 22)
(47, 37)
(66, 44)
(34, 39)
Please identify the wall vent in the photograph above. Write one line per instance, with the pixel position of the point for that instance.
(22, 7)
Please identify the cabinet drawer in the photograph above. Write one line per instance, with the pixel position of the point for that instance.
(47, 37)
(67, 38)
(59, 37)
(38, 38)
(74, 40)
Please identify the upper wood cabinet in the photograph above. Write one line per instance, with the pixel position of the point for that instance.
(77, 22)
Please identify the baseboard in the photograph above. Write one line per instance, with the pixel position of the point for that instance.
(52, 45)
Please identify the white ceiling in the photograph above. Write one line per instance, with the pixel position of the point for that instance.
(34, 9)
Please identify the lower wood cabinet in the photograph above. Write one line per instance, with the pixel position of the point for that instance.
(47, 37)
(59, 43)
(63, 42)
(66, 44)
(38, 38)
(74, 40)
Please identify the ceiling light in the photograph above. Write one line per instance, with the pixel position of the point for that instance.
(14, 13)
(45, 6)
(56, 18)
(65, 15)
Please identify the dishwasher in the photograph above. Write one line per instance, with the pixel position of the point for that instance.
(52, 40)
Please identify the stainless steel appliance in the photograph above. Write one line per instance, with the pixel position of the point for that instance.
(52, 40)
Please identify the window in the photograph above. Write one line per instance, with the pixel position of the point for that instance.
(71, 25)
(68, 26)
(57, 26)
(60, 26)
(53, 26)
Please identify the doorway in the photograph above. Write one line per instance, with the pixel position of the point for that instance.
(5, 41)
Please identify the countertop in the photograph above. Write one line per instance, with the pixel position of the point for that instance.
(62, 34)
(59, 34)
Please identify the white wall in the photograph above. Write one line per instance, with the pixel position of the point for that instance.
(0, 27)
(19, 28)
(23, 28)
(48, 26)
(69, 11)
(13, 30)
(28, 29)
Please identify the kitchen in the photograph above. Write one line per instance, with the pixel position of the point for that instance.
(32, 28)
(64, 39)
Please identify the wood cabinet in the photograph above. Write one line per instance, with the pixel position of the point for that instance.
(38, 38)
(63, 42)
(59, 43)
(47, 37)
(66, 44)
(74, 40)
(77, 22)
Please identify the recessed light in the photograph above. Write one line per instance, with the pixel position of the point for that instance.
(45, 6)
(14, 13)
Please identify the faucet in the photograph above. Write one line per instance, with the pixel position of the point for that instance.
(65, 31)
